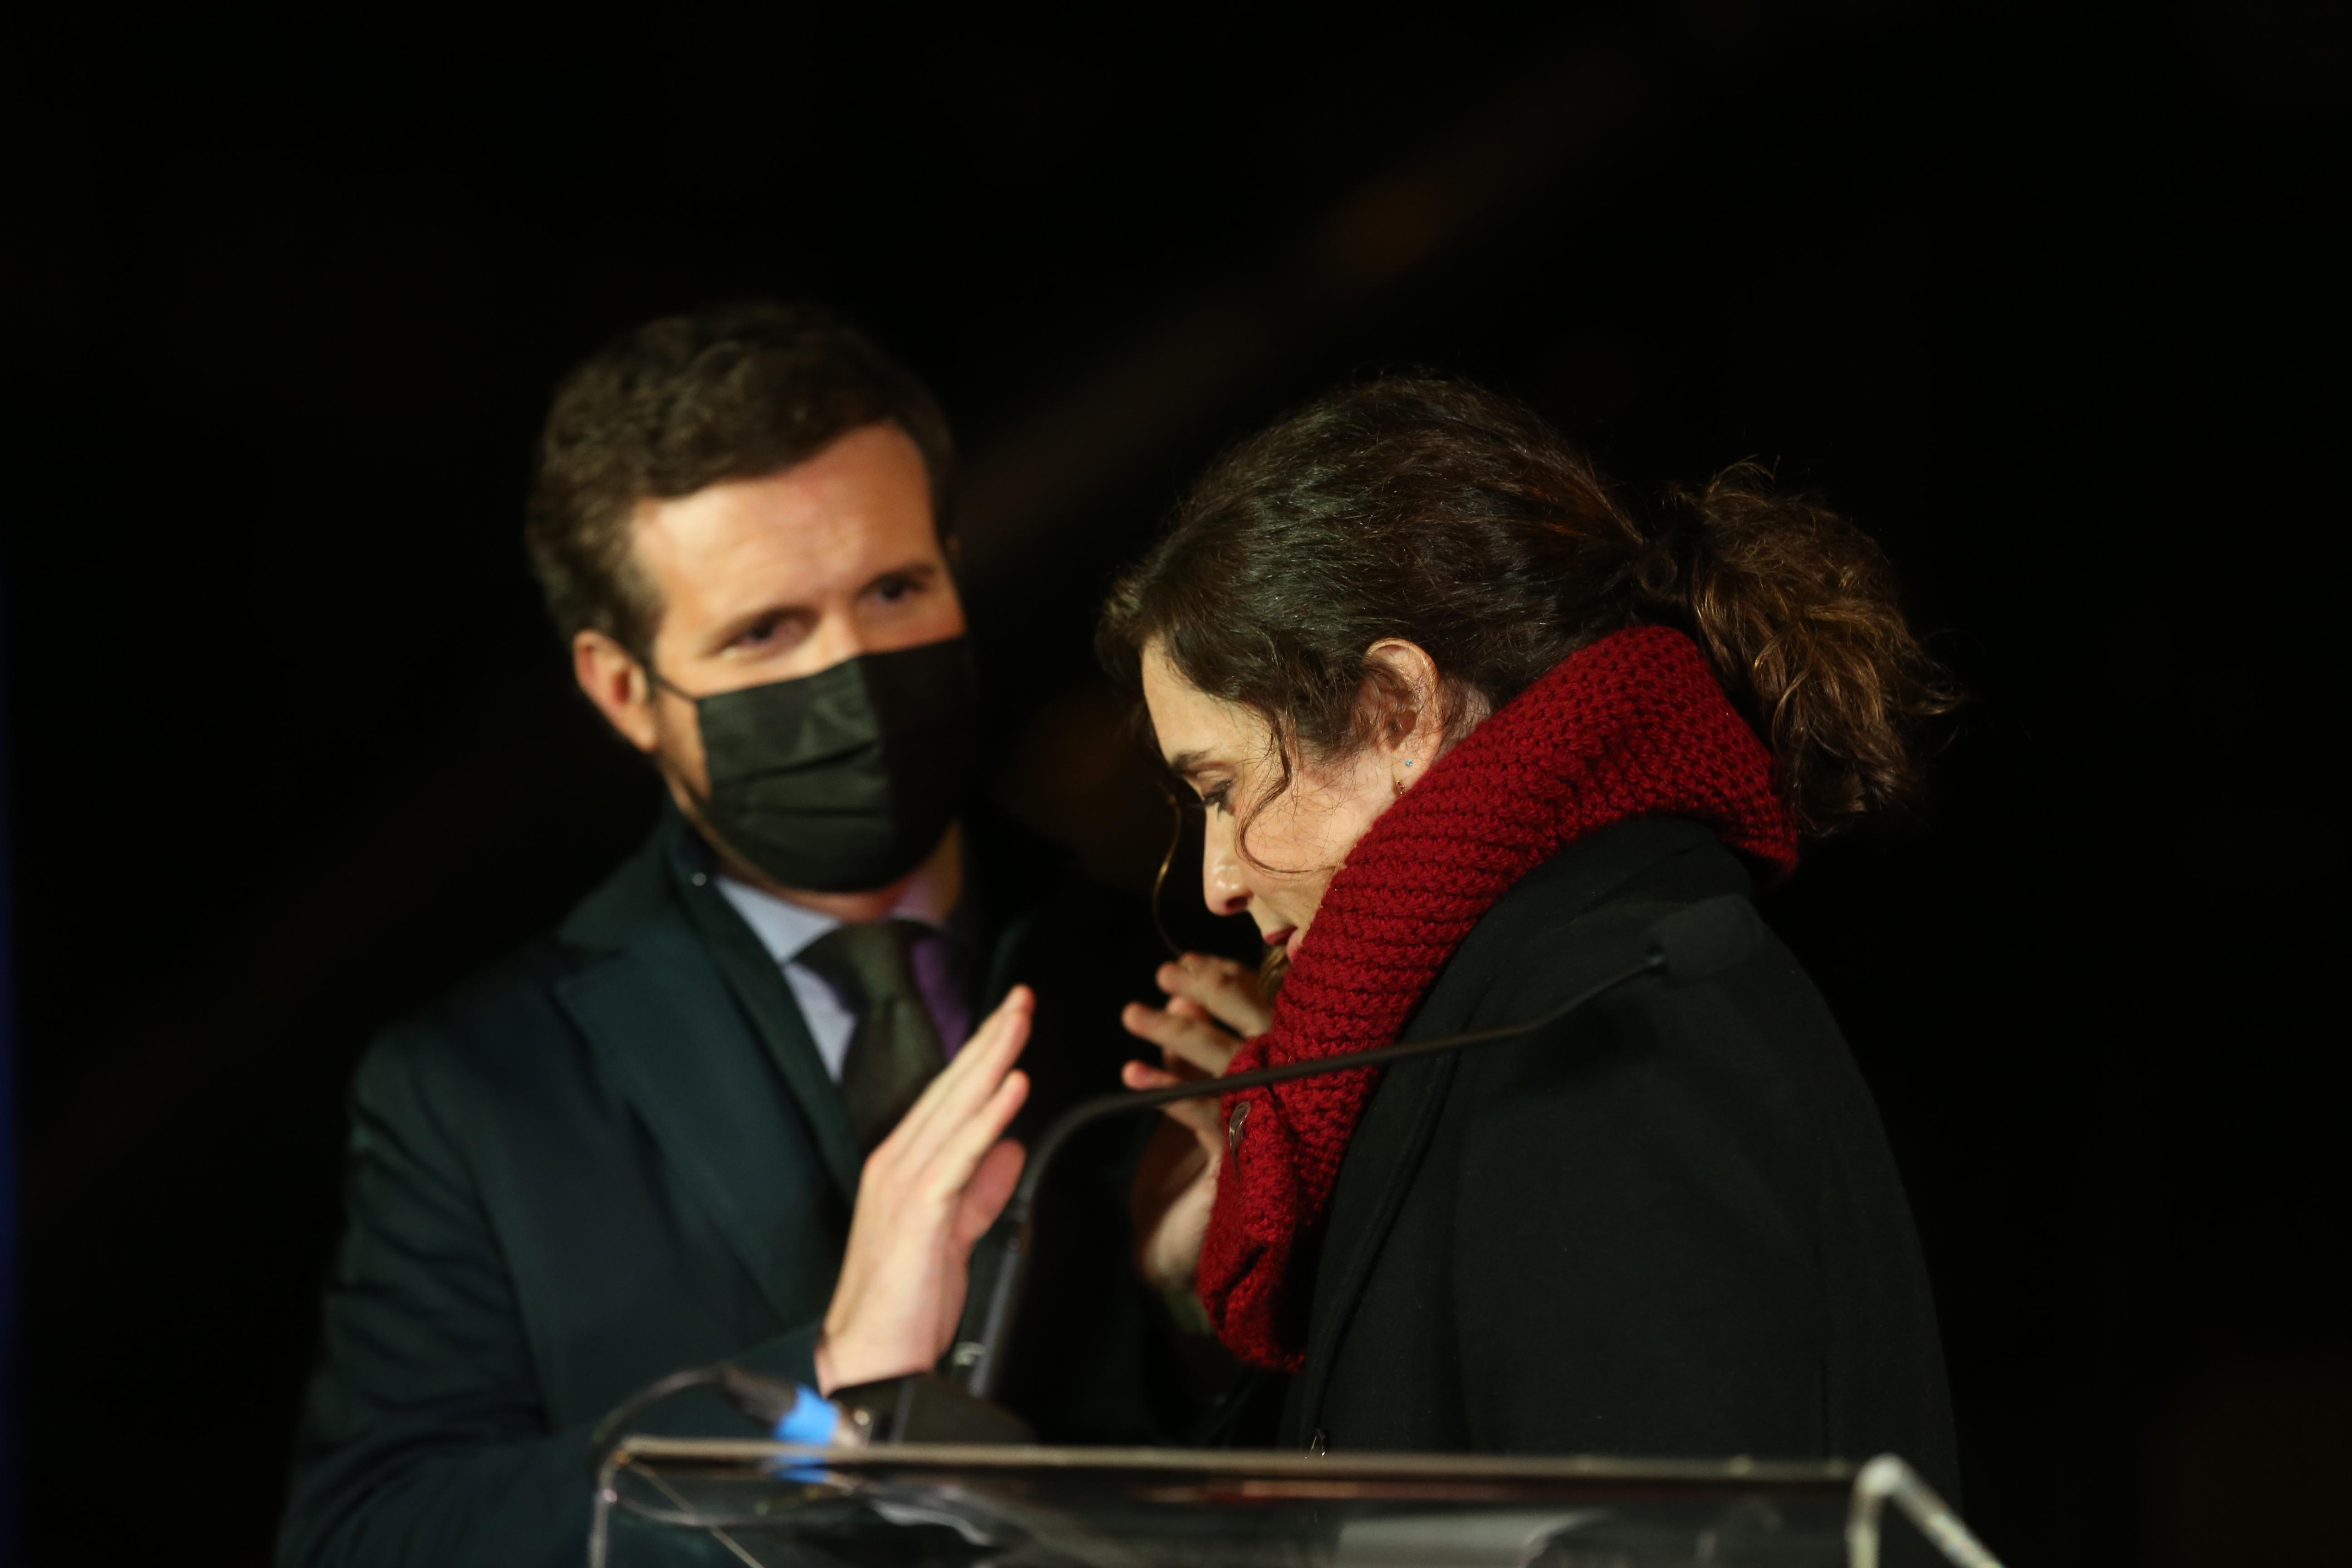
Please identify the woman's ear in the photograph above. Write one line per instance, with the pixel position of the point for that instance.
(1405, 680)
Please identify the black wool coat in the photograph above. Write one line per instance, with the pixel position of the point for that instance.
(1668, 1226)
(618, 1154)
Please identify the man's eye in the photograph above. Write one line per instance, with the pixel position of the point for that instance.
(890, 590)
(765, 632)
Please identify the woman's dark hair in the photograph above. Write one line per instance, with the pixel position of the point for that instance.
(1435, 512)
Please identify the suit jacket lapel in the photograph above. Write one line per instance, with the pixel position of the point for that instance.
(659, 1019)
(685, 1047)
(751, 974)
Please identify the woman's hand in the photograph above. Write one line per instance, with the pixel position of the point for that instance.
(930, 1191)
(1177, 1184)
(1202, 992)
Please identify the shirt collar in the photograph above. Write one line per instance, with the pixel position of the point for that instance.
(785, 928)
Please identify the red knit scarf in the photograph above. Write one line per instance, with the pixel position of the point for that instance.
(1634, 725)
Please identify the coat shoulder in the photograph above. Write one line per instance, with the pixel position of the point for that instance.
(1748, 1045)
(1583, 912)
(494, 1034)
(504, 1025)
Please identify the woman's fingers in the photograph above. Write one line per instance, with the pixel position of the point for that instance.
(1175, 1188)
(1201, 1044)
(1143, 1075)
(1227, 989)
(1171, 1162)
(1202, 1115)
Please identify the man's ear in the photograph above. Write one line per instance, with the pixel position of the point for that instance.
(616, 682)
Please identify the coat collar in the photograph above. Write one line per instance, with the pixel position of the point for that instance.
(1010, 873)
(637, 893)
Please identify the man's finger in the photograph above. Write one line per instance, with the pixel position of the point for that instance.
(957, 1103)
(989, 1191)
(962, 1146)
(970, 1077)
(958, 1071)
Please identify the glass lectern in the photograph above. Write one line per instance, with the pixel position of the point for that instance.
(676, 1500)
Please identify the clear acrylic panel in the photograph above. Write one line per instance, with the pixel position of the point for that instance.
(671, 1502)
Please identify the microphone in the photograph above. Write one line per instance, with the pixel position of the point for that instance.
(1690, 945)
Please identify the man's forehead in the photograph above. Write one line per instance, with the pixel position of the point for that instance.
(824, 526)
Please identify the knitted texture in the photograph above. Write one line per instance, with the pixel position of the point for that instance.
(1633, 725)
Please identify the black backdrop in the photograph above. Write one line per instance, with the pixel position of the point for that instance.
(2046, 303)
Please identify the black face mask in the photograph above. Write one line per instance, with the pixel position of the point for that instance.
(841, 781)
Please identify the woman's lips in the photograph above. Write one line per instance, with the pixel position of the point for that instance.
(1273, 938)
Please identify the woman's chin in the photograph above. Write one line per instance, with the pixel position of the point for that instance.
(1290, 944)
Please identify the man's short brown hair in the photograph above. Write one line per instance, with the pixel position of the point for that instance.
(731, 393)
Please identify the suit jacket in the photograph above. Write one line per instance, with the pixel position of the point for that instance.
(617, 1154)
(1668, 1225)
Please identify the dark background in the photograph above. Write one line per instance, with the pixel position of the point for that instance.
(2047, 303)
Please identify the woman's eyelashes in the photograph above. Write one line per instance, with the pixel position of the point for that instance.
(1215, 797)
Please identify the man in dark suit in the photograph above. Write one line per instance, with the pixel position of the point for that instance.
(636, 1145)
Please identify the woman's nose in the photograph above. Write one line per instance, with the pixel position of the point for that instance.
(1222, 886)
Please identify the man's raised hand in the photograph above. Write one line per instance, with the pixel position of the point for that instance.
(929, 1190)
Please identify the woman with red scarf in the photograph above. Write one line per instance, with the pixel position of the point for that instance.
(1464, 729)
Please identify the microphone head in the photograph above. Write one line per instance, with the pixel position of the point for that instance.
(1706, 939)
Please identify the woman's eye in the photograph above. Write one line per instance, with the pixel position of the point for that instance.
(1215, 799)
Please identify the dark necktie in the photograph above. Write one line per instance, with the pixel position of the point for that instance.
(894, 1050)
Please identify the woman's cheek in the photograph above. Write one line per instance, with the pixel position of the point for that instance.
(1299, 892)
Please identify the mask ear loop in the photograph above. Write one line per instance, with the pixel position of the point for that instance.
(660, 682)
